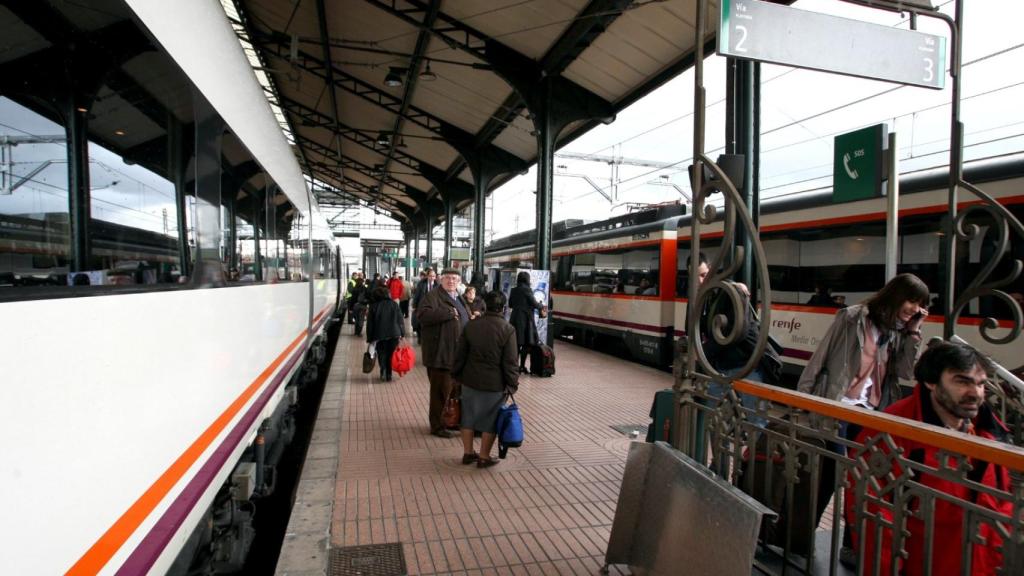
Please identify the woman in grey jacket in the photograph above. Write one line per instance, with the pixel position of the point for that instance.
(867, 346)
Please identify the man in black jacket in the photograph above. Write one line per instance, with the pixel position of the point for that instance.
(427, 282)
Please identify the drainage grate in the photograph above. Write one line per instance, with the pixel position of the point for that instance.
(627, 430)
(372, 560)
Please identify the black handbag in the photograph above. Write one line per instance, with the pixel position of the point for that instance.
(368, 362)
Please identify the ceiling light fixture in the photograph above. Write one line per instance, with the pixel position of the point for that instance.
(426, 75)
(384, 139)
(394, 79)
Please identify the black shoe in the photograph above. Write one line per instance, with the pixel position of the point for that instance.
(442, 433)
(848, 557)
(523, 370)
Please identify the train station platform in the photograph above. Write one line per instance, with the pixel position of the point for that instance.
(374, 476)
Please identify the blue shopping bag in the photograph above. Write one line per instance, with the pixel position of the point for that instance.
(509, 428)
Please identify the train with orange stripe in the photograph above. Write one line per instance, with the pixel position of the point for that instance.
(145, 418)
(625, 280)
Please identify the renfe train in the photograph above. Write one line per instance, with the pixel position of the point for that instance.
(625, 278)
(165, 284)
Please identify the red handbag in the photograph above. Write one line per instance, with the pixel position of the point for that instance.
(403, 359)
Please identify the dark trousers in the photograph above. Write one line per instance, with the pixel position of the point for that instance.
(385, 349)
(404, 305)
(440, 387)
(827, 478)
(360, 314)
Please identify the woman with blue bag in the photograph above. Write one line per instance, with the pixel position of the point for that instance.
(485, 365)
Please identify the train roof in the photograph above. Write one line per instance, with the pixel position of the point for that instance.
(571, 229)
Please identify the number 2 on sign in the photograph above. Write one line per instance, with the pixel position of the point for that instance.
(929, 69)
(742, 30)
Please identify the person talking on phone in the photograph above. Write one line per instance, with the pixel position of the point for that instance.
(858, 361)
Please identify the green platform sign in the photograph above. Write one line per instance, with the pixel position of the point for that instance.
(755, 30)
(857, 164)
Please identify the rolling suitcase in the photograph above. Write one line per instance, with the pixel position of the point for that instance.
(542, 360)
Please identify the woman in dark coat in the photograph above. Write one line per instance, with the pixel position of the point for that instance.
(485, 364)
(473, 301)
(360, 295)
(385, 327)
(522, 303)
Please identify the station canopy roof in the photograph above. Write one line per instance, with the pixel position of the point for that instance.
(386, 99)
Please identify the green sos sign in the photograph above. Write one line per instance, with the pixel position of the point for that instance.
(857, 164)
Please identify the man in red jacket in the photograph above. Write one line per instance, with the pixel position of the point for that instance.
(395, 287)
(950, 393)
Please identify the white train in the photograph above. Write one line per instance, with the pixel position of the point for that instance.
(598, 268)
(132, 405)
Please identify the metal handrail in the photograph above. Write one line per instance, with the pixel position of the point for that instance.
(989, 450)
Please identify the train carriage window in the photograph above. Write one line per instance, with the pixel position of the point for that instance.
(34, 223)
(298, 259)
(563, 272)
(710, 249)
(134, 230)
(623, 271)
(245, 252)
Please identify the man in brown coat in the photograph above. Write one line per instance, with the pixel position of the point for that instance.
(441, 317)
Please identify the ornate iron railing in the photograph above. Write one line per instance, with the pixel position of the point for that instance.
(802, 466)
(800, 462)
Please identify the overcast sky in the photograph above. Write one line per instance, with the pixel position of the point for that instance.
(797, 134)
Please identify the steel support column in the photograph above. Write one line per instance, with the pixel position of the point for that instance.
(416, 249)
(428, 221)
(408, 257)
(479, 225)
(554, 103)
(743, 138)
(79, 197)
(485, 164)
(547, 134)
(449, 213)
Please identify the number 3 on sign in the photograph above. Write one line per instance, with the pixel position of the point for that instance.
(742, 32)
(929, 69)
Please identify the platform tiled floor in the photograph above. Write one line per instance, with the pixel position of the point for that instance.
(546, 509)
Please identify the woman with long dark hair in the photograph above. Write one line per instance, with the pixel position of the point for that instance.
(522, 305)
(857, 363)
(868, 344)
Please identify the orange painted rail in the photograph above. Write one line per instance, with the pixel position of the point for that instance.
(999, 453)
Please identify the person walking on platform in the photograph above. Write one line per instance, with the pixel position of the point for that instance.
(485, 365)
(859, 359)
(384, 326)
(731, 358)
(360, 296)
(395, 288)
(350, 301)
(522, 305)
(428, 279)
(403, 300)
(442, 317)
(949, 393)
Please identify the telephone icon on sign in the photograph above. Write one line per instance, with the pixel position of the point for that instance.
(852, 173)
